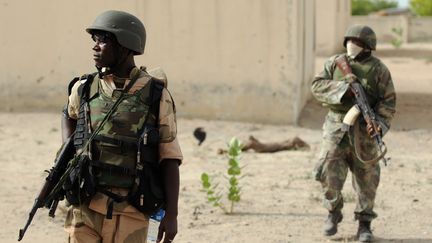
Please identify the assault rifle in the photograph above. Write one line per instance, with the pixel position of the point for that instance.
(362, 106)
(66, 160)
(45, 197)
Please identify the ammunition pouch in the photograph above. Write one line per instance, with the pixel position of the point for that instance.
(148, 194)
(80, 185)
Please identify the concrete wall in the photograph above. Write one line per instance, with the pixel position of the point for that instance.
(332, 20)
(383, 26)
(419, 29)
(225, 59)
(308, 41)
(415, 29)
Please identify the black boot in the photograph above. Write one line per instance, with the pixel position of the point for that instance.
(330, 225)
(364, 232)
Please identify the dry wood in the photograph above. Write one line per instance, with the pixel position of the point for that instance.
(291, 144)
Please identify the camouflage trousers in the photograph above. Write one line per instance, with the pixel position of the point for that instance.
(331, 171)
(85, 225)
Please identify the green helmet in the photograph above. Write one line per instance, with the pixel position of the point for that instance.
(363, 33)
(128, 29)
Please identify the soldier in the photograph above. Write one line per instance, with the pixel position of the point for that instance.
(106, 206)
(338, 150)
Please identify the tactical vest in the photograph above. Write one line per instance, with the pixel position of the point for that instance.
(113, 151)
(366, 73)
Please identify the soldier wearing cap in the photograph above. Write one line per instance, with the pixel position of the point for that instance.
(337, 155)
(113, 154)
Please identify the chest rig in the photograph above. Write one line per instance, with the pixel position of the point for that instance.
(127, 142)
(366, 73)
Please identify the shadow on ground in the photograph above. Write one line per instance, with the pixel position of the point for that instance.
(381, 240)
(413, 111)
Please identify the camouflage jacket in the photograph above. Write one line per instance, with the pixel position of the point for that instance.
(330, 88)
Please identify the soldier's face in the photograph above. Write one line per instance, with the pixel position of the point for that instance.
(357, 42)
(105, 50)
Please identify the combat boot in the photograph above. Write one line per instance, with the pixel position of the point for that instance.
(364, 232)
(330, 225)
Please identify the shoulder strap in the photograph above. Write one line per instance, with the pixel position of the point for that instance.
(71, 84)
(157, 87)
(84, 90)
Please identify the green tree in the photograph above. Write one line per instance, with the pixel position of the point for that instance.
(422, 7)
(364, 7)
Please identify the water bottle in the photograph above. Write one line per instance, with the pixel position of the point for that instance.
(153, 228)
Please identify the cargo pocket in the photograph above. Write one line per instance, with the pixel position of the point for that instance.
(332, 130)
(317, 172)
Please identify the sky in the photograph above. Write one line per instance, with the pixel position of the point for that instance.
(403, 3)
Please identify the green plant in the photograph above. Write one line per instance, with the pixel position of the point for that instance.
(397, 41)
(421, 7)
(214, 196)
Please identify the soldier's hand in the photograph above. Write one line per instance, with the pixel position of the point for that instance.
(349, 93)
(350, 78)
(371, 131)
(167, 229)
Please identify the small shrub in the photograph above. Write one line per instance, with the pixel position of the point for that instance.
(397, 41)
(214, 195)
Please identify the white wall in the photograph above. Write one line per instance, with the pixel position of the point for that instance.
(332, 20)
(420, 29)
(308, 56)
(225, 59)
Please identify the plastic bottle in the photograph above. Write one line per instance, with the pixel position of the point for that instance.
(154, 222)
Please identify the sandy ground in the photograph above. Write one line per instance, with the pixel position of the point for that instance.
(280, 200)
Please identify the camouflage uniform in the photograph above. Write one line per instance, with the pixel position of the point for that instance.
(337, 152)
(88, 223)
(114, 153)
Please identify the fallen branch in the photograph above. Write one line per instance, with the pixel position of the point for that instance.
(291, 144)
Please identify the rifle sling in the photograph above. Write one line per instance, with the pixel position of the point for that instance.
(356, 144)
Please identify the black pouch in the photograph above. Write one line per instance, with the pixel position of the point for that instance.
(80, 186)
(148, 196)
(150, 139)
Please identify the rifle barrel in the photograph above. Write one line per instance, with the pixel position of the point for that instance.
(29, 220)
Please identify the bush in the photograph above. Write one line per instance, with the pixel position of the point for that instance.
(365, 7)
(421, 7)
(397, 40)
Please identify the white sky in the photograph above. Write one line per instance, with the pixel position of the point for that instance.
(403, 3)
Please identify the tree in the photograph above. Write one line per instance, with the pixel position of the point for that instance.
(364, 7)
(422, 7)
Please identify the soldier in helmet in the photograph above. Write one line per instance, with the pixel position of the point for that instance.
(135, 148)
(338, 154)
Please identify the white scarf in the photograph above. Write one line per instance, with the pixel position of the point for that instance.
(352, 49)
